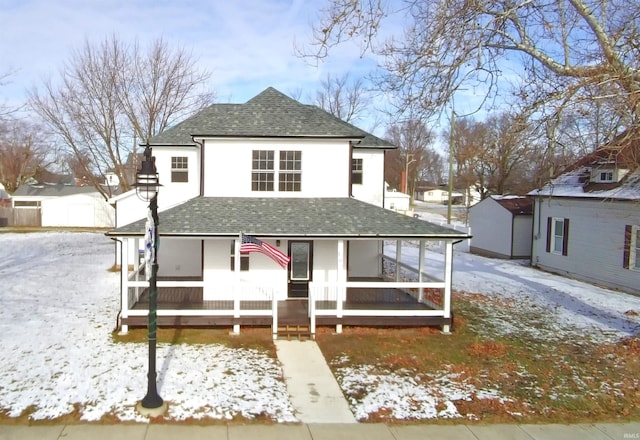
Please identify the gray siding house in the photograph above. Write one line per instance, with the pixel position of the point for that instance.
(587, 220)
(502, 226)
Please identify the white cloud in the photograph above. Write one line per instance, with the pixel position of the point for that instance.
(247, 45)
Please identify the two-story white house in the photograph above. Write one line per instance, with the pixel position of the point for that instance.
(301, 180)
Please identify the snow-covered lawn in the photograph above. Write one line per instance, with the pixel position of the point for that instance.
(58, 305)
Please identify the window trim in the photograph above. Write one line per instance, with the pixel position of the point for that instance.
(551, 235)
(357, 170)
(177, 169)
(263, 171)
(287, 169)
(290, 171)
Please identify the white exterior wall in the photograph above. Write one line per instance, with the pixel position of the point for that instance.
(173, 193)
(492, 228)
(363, 258)
(78, 210)
(595, 240)
(178, 257)
(325, 167)
(396, 201)
(217, 273)
(372, 188)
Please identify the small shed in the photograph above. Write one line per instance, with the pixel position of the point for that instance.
(502, 226)
(62, 205)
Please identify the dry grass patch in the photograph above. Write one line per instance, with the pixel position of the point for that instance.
(537, 379)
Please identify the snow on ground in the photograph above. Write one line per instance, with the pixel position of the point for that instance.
(566, 306)
(58, 305)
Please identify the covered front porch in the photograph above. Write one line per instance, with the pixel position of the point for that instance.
(402, 295)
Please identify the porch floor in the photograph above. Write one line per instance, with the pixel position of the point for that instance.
(290, 311)
(190, 298)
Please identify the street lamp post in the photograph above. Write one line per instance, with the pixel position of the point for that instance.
(147, 188)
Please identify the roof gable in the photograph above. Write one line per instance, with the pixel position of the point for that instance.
(622, 153)
(516, 205)
(269, 114)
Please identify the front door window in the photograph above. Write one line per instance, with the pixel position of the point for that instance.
(299, 261)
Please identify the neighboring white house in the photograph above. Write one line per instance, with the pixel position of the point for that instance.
(587, 220)
(65, 205)
(305, 183)
(502, 226)
(396, 201)
(431, 193)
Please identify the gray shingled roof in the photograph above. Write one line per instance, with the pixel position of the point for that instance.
(269, 114)
(288, 217)
(48, 190)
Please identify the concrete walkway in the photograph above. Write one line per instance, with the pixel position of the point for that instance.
(313, 389)
(604, 431)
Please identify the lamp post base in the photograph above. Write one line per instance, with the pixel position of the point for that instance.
(152, 412)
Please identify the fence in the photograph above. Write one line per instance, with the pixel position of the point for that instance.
(20, 217)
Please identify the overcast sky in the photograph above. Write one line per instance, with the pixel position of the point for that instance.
(247, 44)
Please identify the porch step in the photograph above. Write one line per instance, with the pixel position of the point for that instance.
(297, 331)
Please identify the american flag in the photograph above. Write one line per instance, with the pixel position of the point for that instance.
(252, 244)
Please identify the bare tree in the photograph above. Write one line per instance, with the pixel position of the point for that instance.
(406, 164)
(24, 149)
(566, 51)
(111, 96)
(345, 99)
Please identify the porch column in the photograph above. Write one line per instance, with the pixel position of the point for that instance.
(398, 258)
(448, 268)
(420, 270)
(124, 283)
(341, 294)
(238, 289)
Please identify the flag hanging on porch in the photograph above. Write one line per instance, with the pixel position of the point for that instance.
(252, 244)
(149, 245)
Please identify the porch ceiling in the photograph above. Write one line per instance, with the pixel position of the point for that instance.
(288, 217)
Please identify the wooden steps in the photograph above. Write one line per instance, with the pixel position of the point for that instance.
(297, 331)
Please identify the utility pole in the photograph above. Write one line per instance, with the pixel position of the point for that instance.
(409, 161)
(451, 144)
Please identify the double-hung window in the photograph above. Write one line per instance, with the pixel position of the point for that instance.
(262, 170)
(290, 175)
(356, 171)
(179, 169)
(558, 235)
(632, 247)
(288, 169)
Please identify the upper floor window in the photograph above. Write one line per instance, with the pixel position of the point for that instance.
(632, 247)
(557, 235)
(179, 169)
(606, 176)
(290, 171)
(356, 171)
(262, 170)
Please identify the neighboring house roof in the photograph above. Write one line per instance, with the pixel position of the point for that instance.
(282, 217)
(49, 190)
(269, 114)
(517, 205)
(622, 153)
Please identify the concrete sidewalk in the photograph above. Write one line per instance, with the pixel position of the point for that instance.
(605, 431)
(313, 390)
